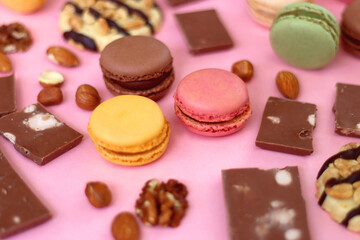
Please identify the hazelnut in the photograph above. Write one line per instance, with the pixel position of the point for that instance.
(50, 96)
(243, 69)
(125, 227)
(87, 97)
(98, 194)
(51, 79)
(288, 84)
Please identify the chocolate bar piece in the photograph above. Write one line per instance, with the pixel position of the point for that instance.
(7, 94)
(20, 209)
(178, 2)
(204, 31)
(287, 126)
(346, 110)
(37, 134)
(265, 204)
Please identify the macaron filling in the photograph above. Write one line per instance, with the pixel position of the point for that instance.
(312, 15)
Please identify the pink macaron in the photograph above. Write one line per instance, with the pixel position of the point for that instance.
(212, 102)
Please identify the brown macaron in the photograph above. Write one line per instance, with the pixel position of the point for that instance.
(350, 28)
(137, 65)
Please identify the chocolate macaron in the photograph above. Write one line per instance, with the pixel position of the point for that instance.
(350, 28)
(137, 65)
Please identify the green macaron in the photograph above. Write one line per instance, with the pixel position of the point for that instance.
(305, 35)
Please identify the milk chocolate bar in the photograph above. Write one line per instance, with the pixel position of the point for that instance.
(178, 2)
(265, 204)
(346, 110)
(20, 209)
(287, 126)
(204, 31)
(37, 134)
(7, 94)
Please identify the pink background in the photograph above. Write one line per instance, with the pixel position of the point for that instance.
(195, 160)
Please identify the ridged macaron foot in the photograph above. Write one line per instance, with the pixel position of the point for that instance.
(129, 130)
(305, 35)
(212, 102)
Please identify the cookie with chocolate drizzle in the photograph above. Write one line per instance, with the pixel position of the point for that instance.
(92, 24)
(338, 186)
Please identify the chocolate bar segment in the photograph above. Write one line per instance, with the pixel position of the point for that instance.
(37, 134)
(204, 31)
(265, 204)
(7, 94)
(287, 126)
(20, 209)
(178, 2)
(346, 110)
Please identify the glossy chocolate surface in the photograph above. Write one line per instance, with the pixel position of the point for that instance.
(287, 126)
(204, 31)
(346, 110)
(265, 204)
(37, 134)
(20, 209)
(7, 94)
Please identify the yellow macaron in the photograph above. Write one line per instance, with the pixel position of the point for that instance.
(23, 6)
(129, 130)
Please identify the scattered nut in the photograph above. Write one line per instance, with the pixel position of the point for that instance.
(342, 191)
(50, 96)
(162, 203)
(357, 196)
(125, 227)
(62, 56)
(14, 37)
(51, 79)
(87, 97)
(5, 64)
(244, 69)
(98, 194)
(288, 84)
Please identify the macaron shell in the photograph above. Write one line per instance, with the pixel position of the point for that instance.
(137, 159)
(212, 95)
(214, 129)
(127, 123)
(350, 28)
(136, 56)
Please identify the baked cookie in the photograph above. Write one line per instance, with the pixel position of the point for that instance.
(92, 24)
(338, 186)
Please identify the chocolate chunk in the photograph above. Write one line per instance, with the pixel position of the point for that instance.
(204, 31)
(20, 209)
(14, 37)
(346, 109)
(287, 126)
(265, 204)
(37, 134)
(178, 2)
(7, 95)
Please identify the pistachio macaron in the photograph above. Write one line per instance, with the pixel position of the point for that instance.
(305, 35)
(129, 130)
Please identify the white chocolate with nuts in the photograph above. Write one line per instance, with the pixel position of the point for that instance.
(338, 186)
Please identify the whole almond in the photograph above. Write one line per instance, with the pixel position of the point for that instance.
(125, 227)
(5, 64)
(62, 56)
(50, 96)
(87, 97)
(288, 84)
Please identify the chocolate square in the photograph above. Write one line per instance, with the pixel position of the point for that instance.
(20, 209)
(178, 2)
(265, 204)
(37, 134)
(287, 126)
(204, 31)
(7, 94)
(347, 110)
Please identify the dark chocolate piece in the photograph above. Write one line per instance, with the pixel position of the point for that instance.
(204, 31)
(287, 126)
(178, 2)
(265, 204)
(346, 110)
(20, 209)
(37, 134)
(7, 95)
(87, 42)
